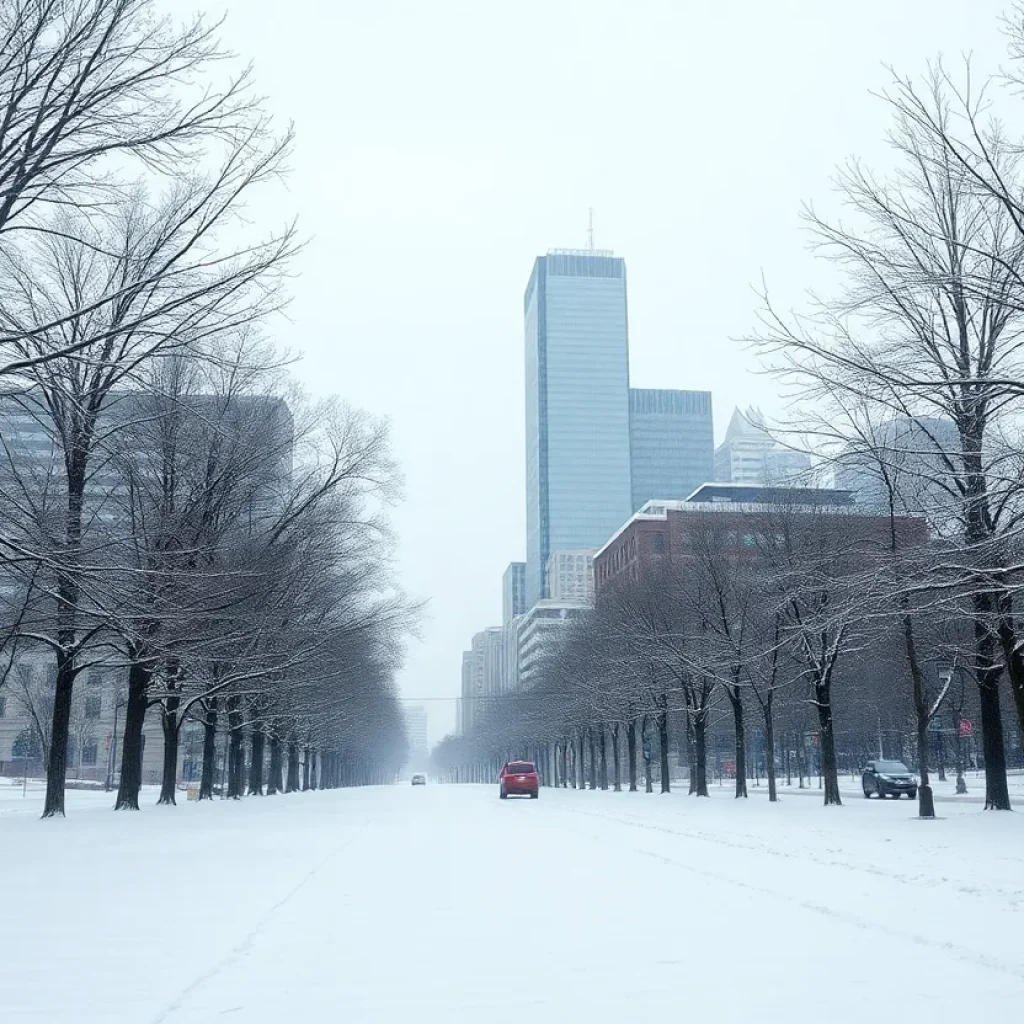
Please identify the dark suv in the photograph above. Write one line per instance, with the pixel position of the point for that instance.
(889, 778)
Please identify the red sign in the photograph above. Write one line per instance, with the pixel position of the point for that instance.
(966, 727)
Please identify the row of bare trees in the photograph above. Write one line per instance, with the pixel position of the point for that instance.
(170, 504)
(772, 626)
(905, 379)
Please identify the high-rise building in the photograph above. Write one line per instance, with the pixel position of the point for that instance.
(910, 459)
(510, 654)
(472, 690)
(416, 734)
(671, 443)
(487, 647)
(513, 592)
(571, 576)
(750, 455)
(578, 488)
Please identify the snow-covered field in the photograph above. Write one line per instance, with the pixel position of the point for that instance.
(442, 903)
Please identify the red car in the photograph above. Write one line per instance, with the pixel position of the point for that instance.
(519, 778)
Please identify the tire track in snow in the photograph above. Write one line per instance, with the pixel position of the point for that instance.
(243, 947)
(755, 843)
(961, 953)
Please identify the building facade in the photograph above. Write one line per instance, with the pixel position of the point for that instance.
(578, 484)
(540, 629)
(671, 443)
(750, 455)
(416, 734)
(663, 534)
(471, 691)
(97, 724)
(570, 576)
(911, 461)
(513, 591)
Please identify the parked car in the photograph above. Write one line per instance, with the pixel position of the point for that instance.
(419, 780)
(889, 778)
(519, 778)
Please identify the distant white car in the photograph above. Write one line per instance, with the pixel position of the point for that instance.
(419, 780)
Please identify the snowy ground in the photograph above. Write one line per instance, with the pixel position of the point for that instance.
(442, 903)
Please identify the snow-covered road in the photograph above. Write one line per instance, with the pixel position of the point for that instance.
(444, 904)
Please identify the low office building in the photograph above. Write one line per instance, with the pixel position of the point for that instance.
(540, 629)
(570, 576)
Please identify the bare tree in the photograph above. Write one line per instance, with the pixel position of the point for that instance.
(929, 324)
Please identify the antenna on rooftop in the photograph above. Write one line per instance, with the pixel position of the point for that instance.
(590, 229)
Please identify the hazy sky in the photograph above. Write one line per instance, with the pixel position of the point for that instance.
(442, 145)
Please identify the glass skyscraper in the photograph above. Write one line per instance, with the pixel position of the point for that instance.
(672, 443)
(578, 484)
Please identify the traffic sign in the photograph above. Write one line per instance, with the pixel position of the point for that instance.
(966, 727)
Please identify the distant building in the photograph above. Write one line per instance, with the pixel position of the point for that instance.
(416, 734)
(472, 690)
(662, 533)
(97, 723)
(578, 487)
(571, 576)
(750, 455)
(487, 646)
(671, 443)
(32, 473)
(513, 591)
(541, 628)
(510, 654)
(912, 460)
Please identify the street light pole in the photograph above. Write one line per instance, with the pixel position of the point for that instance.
(112, 756)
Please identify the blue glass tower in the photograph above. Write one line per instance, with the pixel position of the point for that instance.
(671, 443)
(578, 485)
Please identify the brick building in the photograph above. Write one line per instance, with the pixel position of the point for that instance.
(663, 532)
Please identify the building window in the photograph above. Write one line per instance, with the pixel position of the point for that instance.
(659, 543)
(93, 705)
(89, 754)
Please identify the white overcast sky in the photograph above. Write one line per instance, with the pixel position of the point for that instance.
(443, 144)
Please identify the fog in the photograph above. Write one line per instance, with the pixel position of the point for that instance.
(443, 145)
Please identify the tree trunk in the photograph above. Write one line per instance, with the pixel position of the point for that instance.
(593, 759)
(662, 720)
(209, 750)
(736, 700)
(60, 730)
(581, 767)
(691, 756)
(604, 758)
(305, 771)
(139, 675)
(925, 801)
(292, 783)
(827, 739)
(700, 743)
(313, 770)
(68, 595)
(275, 781)
(631, 752)
(769, 742)
(615, 758)
(1013, 656)
(236, 750)
(565, 762)
(169, 726)
(987, 672)
(256, 762)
